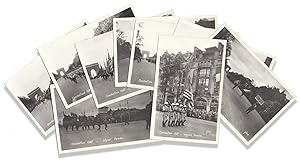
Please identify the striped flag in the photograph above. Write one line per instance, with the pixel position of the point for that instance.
(188, 95)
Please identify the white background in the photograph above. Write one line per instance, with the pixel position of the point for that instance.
(269, 26)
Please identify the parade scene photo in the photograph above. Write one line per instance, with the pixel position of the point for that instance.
(189, 78)
(252, 96)
(84, 125)
(31, 86)
(143, 56)
(97, 57)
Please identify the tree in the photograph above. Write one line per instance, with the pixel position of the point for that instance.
(28, 103)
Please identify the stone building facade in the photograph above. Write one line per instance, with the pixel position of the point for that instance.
(201, 75)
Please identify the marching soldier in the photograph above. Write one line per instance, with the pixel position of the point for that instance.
(184, 115)
(180, 109)
(170, 114)
(166, 109)
(176, 114)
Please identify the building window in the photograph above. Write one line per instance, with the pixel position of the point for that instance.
(204, 82)
(207, 72)
(204, 72)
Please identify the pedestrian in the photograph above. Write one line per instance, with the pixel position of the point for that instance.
(251, 108)
(184, 113)
(236, 83)
(148, 114)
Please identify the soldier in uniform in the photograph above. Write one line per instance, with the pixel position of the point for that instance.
(176, 114)
(179, 120)
(184, 114)
(170, 114)
(166, 109)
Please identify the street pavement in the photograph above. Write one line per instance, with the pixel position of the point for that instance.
(115, 133)
(192, 129)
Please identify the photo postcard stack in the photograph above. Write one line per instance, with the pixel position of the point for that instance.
(124, 80)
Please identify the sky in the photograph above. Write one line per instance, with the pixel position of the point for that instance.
(95, 49)
(127, 26)
(183, 44)
(31, 76)
(151, 28)
(243, 62)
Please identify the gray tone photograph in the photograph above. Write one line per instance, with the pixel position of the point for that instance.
(97, 57)
(31, 88)
(61, 58)
(143, 56)
(189, 83)
(253, 97)
(85, 127)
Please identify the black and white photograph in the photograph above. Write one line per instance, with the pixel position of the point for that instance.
(206, 21)
(31, 89)
(188, 89)
(62, 61)
(123, 37)
(253, 97)
(85, 127)
(143, 56)
(97, 57)
(187, 29)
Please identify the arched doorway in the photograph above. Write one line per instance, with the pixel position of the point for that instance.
(93, 73)
(36, 97)
(61, 73)
(214, 105)
(201, 103)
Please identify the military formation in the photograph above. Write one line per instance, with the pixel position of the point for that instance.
(174, 114)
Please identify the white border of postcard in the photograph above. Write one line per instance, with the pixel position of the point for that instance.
(266, 126)
(153, 115)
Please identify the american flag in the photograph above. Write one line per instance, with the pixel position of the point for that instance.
(188, 95)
